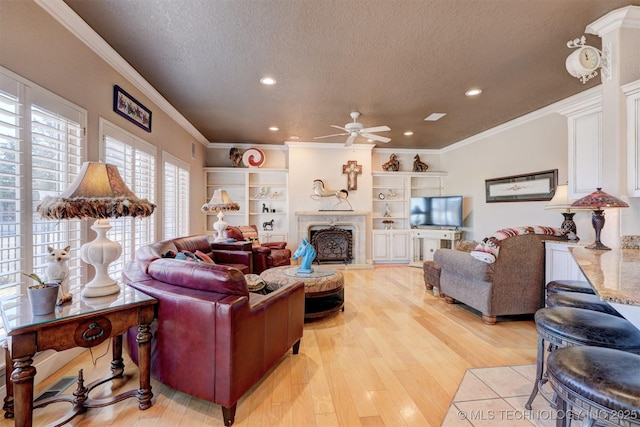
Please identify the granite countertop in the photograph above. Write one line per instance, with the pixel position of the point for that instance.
(614, 274)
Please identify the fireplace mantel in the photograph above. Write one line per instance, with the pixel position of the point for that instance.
(357, 220)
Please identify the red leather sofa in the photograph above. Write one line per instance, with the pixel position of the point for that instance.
(212, 339)
(265, 255)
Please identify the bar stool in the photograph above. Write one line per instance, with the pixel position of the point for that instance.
(567, 326)
(603, 383)
(579, 286)
(579, 300)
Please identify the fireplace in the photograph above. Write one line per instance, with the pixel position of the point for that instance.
(333, 244)
(309, 222)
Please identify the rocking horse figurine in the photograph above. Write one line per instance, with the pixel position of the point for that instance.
(308, 254)
(319, 192)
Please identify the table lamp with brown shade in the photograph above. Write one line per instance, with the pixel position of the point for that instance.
(220, 202)
(98, 192)
(596, 201)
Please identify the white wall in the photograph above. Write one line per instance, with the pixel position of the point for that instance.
(310, 161)
(534, 146)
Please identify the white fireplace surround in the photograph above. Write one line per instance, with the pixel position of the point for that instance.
(354, 220)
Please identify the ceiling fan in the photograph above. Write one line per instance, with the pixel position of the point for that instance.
(356, 129)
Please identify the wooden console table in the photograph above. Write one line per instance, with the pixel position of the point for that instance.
(84, 322)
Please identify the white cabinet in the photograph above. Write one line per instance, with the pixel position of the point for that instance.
(559, 264)
(585, 147)
(390, 246)
(424, 242)
(632, 92)
(262, 195)
(391, 192)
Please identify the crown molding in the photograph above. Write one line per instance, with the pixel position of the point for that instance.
(329, 145)
(562, 107)
(244, 145)
(62, 13)
(626, 17)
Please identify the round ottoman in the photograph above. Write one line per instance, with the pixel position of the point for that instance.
(323, 288)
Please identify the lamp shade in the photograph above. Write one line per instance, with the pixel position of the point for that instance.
(560, 199)
(599, 199)
(220, 201)
(97, 192)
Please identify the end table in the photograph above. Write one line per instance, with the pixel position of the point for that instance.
(83, 322)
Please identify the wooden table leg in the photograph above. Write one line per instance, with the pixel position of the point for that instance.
(8, 399)
(22, 378)
(144, 365)
(117, 361)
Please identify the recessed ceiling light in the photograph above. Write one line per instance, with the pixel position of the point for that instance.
(473, 92)
(274, 128)
(269, 81)
(435, 117)
(294, 137)
(408, 133)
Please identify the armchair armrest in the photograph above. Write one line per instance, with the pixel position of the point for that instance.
(463, 264)
(232, 257)
(275, 245)
(264, 250)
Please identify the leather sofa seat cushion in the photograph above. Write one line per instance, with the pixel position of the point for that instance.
(464, 265)
(200, 276)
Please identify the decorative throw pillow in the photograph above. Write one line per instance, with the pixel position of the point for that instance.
(255, 283)
(488, 249)
(250, 233)
(169, 253)
(201, 256)
(186, 256)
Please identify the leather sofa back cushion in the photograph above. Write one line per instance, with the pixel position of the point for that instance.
(200, 276)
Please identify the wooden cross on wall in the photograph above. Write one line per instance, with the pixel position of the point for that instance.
(352, 169)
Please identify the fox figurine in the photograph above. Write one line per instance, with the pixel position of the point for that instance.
(58, 271)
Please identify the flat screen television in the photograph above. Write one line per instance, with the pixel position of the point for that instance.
(439, 211)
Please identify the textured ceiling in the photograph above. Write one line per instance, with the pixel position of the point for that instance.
(395, 62)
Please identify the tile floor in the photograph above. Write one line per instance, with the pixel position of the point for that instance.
(496, 397)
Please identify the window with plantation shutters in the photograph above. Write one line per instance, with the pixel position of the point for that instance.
(41, 151)
(136, 162)
(175, 205)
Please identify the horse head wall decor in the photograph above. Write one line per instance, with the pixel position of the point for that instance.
(308, 254)
(319, 192)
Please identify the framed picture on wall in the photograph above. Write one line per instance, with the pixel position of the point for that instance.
(129, 108)
(529, 187)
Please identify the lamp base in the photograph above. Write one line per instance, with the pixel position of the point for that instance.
(598, 246)
(220, 226)
(597, 220)
(100, 253)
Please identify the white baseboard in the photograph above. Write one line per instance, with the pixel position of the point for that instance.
(46, 363)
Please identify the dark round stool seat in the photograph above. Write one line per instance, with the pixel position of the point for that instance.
(568, 326)
(579, 286)
(603, 382)
(578, 300)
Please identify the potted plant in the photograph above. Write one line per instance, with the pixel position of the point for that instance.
(42, 295)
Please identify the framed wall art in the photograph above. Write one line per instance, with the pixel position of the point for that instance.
(129, 108)
(529, 187)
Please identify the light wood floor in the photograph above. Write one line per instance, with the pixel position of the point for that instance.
(395, 357)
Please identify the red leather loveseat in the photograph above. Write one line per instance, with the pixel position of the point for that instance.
(212, 339)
